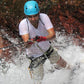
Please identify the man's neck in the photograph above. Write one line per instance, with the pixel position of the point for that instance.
(35, 24)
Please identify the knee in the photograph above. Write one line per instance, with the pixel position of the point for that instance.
(61, 62)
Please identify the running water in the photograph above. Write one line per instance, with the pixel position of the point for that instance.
(17, 72)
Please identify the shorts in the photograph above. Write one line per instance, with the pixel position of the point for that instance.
(38, 72)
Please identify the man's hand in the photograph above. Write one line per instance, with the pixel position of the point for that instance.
(39, 38)
(28, 43)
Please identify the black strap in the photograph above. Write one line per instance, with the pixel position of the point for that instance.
(28, 27)
(41, 20)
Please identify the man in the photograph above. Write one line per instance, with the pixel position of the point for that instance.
(37, 27)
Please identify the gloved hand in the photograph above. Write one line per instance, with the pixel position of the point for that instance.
(30, 42)
(39, 38)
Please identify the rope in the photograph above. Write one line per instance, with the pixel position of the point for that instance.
(14, 45)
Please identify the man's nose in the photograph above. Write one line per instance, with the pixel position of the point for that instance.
(33, 18)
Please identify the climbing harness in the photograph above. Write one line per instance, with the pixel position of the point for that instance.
(35, 62)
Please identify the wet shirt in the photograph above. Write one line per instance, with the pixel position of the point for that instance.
(25, 27)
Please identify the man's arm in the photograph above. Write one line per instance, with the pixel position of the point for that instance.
(51, 34)
(26, 39)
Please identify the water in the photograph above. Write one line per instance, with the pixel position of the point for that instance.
(17, 72)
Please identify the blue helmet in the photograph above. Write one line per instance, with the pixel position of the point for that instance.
(31, 8)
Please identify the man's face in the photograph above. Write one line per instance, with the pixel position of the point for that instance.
(33, 18)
